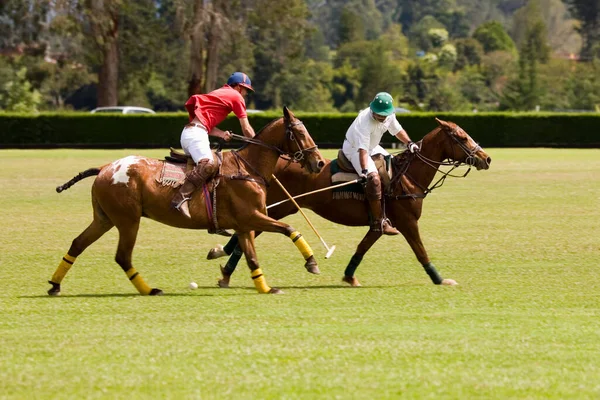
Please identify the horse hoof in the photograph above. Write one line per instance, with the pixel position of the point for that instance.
(55, 289)
(222, 283)
(275, 291)
(449, 282)
(216, 252)
(351, 280)
(156, 292)
(312, 266)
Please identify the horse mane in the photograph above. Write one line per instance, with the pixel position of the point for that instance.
(261, 130)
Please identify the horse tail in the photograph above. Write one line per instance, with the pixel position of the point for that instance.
(82, 175)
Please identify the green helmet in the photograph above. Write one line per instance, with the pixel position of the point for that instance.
(382, 104)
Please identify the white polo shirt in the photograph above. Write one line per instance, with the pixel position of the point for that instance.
(366, 132)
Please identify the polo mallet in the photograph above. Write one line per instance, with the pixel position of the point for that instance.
(315, 191)
(331, 249)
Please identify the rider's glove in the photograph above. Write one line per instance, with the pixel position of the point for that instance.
(363, 176)
(413, 147)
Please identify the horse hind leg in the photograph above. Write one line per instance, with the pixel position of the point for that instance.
(127, 237)
(99, 226)
(246, 242)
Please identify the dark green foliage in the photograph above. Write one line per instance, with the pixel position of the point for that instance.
(493, 37)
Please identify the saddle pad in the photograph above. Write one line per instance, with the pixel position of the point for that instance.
(172, 174)
(354, 191)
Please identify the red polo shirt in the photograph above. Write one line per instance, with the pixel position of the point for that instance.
(212, 108)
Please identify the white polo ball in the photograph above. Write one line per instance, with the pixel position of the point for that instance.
(193, 285)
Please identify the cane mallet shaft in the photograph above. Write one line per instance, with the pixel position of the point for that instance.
(313, 192)
(331, 249)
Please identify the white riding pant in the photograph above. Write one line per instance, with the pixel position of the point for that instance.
(353, 156)
(194, 141)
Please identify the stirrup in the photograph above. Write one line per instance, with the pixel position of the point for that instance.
(178, 205)
(223, 232)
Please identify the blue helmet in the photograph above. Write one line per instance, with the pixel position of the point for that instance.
(240, 78)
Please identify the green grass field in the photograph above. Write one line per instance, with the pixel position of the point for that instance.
(522, 240)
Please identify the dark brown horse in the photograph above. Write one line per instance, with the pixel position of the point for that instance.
(127, 190)
(411, 179)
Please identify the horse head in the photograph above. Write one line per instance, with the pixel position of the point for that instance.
(299, 144)
(459, 147)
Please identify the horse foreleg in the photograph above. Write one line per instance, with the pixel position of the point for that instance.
(127, 236)
(232, 262)
(370, 238)
(246, 242)
(93, 232)
(264, 223)
(410, 231)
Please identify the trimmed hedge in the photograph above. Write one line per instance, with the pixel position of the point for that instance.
(84, 130)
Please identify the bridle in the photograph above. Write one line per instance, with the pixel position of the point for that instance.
(469, 160)
(298, 156)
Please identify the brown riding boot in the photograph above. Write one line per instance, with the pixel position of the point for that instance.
(194, 179)
(373, 192)
(381, 224)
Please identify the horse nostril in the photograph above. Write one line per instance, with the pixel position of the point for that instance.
(321, 164)
(488, 160)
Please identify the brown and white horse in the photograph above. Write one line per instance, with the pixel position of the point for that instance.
(411, 181)
(127, 190)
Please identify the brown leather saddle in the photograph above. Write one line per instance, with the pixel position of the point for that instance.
(347, 172)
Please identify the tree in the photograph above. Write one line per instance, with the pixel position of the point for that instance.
(17, 94)
(351, 27)
(524, 92)
(278, 30)
(530, 30)
(468, 52)
(103, 18)
(493, 37)
(588, 12)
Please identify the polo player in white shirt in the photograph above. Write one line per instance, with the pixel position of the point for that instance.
(362, 141)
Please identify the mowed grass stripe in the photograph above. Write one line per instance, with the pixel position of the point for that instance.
(522, 240)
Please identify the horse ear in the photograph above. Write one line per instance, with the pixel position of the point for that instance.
(287, 113)
(440, 122)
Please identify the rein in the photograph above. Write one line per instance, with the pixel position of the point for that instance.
(298, 156)
(436, 165)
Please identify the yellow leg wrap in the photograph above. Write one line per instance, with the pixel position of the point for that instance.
(260, 281)
(301, 244)
(138, 281)
(63, 268)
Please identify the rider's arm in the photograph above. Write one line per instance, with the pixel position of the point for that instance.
(403, 136)
(246, 128)
(219, 133)
(363, 156)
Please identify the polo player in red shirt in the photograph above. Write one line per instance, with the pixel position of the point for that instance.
(206, 111)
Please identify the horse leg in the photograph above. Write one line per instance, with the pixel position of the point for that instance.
(232, 262)
(222, 251)
(127, 236)
(410, 231)
(264, 223)
(99, 226)
(246, 242)
(370, 238)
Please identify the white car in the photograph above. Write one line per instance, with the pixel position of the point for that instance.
(123, 110)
